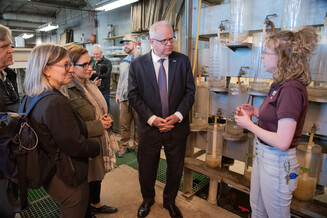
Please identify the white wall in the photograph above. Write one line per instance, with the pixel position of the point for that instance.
(79, 22)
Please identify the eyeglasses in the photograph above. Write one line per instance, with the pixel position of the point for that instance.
(165, 41)
(67, 65)
(267, 53)
(85, 65)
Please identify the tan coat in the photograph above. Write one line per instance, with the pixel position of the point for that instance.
(94, 127)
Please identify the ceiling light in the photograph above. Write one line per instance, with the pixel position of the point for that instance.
(27, 35)
(109, 5)
(47, 27)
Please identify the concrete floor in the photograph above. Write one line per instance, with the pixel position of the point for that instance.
(121, 189)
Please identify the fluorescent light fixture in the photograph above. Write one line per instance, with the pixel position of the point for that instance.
(27, 35)
(110, 5)
(47, 27)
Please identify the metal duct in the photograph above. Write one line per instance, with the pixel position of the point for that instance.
(28, 18)
(19, 24)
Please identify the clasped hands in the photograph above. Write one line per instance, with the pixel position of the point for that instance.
(106, 121)
(165, 125)
(243, 115)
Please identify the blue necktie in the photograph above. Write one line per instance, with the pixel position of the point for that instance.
(162, 82)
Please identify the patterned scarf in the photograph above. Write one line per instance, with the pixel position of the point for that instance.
(108, 141)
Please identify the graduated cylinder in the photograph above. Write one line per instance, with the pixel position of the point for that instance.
(214, 146)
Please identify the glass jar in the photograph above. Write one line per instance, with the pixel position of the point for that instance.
(295, 14)
(237, 95)
(200, 107)
(219, 63)
(309, 158)
(239, 20)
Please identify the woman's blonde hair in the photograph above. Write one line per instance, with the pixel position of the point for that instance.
(42, 55)
(294, 51)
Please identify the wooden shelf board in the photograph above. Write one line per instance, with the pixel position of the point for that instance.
(234, 179)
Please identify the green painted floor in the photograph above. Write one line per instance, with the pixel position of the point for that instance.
(43, 206)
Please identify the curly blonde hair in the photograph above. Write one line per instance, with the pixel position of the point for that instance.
(294, 50)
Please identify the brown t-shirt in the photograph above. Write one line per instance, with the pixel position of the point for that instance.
(289, 100)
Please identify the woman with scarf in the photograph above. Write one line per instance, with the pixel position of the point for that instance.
(89, 102)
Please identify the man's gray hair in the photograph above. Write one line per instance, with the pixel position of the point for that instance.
(97, 47)
(5, 33)
(154, 28)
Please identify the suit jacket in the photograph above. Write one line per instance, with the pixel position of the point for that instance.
(144, 95)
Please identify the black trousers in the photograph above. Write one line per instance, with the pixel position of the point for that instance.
(94, 191)
(148, 159)
(94, 196)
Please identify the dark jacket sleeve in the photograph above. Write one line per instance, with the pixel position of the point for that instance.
(134, 95)
(64, 125)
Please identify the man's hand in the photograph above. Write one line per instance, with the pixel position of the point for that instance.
(117, 100)
(170, 121)
(159, 122)
(97, 81)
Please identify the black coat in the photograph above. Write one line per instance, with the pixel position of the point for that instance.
(105, 83)
(59, 125)
(11, 76)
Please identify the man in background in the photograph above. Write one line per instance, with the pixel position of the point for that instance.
(102, 72)
(127, 113)
(161, 90)
(9, 101)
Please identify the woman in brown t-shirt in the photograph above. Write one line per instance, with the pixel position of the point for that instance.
(281, 119)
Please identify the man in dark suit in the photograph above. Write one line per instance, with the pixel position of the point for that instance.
(161, 90)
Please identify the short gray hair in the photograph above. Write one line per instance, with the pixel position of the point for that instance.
(5, 33)
(154, 28)
(42, 55)
(97, 47)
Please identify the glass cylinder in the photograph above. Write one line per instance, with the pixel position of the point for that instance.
(295, 14)
(219, 63)
(146, 46)
(239, 20)
(215, 145)
(310, 164)
(237, 95)
(259, 78)
(318, 64)
(200, 107)
(250, 155)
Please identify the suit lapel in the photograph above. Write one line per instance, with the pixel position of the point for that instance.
(151, 73)
(171, 71)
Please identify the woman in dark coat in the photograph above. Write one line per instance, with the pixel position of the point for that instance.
(60, 128)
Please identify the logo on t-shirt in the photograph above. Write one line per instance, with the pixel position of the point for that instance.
(273, 94)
